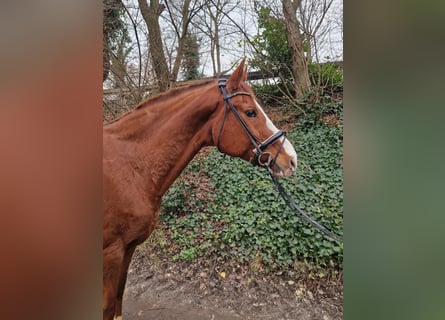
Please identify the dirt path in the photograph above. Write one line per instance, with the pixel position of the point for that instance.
(163, 310)
(160, 289)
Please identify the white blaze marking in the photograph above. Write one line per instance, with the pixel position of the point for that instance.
(269, 123)
(287, 146)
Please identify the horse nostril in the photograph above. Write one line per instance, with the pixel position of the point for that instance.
(293, 164)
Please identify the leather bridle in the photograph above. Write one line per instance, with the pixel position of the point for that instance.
(259, 147)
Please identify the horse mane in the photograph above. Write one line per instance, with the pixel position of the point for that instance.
(161, 97)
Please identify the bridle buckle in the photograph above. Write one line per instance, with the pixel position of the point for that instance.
(269, 159)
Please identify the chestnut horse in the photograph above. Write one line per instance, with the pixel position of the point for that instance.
(145, 150)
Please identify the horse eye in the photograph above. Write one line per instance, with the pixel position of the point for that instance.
(251, 113)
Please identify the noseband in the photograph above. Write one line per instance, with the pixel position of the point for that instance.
(259, 147)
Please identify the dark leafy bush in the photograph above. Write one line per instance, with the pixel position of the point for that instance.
(326, 74)
(269, 94)
(243, 216)
(317, 112)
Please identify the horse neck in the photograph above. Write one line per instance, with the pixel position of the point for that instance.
(166, 134)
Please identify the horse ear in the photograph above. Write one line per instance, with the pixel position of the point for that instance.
(244, 79)
(238, 76)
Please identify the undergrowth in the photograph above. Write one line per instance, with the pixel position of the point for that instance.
(224, 207)
(240, 214)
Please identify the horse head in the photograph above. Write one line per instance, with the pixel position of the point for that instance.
(244, 130)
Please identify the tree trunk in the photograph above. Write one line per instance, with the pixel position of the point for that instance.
(181, 41)
(299, 64)
(213, 28)
(212, 54)
(217, 50)
(105, 57)
(151, 16)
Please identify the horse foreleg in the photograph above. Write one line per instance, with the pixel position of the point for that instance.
(113, 257)
(122, 281)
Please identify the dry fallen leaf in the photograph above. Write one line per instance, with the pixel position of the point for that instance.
(222, 274)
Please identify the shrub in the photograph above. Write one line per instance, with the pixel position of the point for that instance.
(243, 215)
(326, 74)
